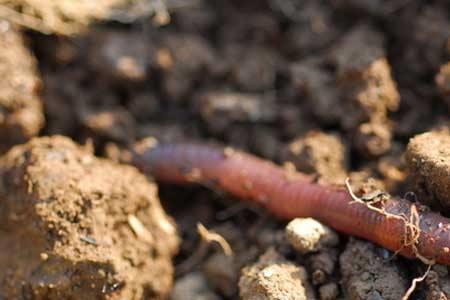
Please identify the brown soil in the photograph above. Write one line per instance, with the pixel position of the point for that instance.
(438, 284)
(68, 231)
(428, 157)
(318, 153)
(21, 115)
(272, 278)
(368, 275)
(332, 88)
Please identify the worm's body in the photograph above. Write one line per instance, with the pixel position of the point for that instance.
(291, 194)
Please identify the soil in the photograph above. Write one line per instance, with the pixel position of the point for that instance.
(21, 115)
(438, 284)
(428, 158)
(318, 153)
(69, 229)
(368, 275)
(331, 88)
(272, 278)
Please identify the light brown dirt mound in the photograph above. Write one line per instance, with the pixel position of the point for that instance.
(272, 278)
(319, 153)
(21, 115)
(364, 77)
(428, 158)
(77, 227)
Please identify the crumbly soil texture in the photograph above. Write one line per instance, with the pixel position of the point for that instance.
(337, 89)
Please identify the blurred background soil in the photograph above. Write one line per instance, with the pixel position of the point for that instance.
(332, 88)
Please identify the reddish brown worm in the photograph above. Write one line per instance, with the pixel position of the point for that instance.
(288, 194)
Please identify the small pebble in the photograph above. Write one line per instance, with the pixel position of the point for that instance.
(308, 235)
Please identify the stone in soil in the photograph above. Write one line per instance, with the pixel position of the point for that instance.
(307, 235)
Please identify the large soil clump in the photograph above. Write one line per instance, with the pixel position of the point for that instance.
(77, 227)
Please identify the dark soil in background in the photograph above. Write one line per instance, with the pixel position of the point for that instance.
(335, 88)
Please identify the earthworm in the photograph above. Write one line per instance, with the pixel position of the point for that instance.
(399, 225)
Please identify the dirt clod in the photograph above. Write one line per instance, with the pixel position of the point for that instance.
(366, 275)
(364, 77)
(271, 278)
(428, 159)
(192, 287)
(67, 231)
(21, 115)
(68, 17)
(308, 235)
(319, 153)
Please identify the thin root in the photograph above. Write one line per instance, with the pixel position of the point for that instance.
(209, 237)
(369, 205)
(206, 237)
(412, 229)
(415, 282)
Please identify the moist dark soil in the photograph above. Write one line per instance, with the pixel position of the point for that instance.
(331, 88)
